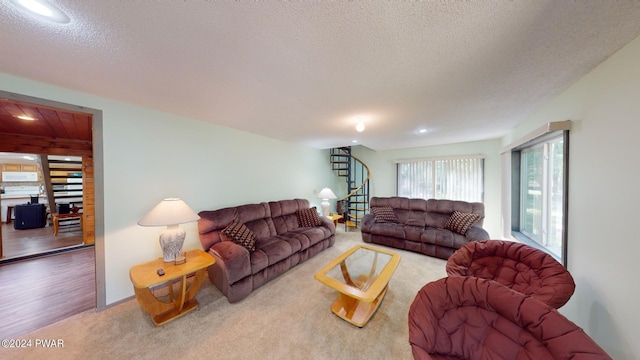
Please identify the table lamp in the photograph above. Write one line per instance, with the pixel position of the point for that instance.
(170, 212)
(326, 194)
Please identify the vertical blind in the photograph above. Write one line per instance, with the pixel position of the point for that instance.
(459, 178)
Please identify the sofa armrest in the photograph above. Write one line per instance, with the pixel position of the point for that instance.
(367, 222)
(232, 260)
(326, 222)
(477, 233)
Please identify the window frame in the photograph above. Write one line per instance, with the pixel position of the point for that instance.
(516, 191)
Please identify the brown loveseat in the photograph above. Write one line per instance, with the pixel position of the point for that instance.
(422, 225)
(281, 242)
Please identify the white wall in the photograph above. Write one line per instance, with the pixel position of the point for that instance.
(604, 194)
(149, 155)
(383, 172)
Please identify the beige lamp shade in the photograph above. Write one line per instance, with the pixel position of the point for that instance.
(170, 211)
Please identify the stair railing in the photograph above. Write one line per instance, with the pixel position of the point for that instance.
(357, 198)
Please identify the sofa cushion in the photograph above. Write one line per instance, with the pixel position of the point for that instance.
(306, 237)
(239, 234)
(388, 229)
(384, 214)
(436, 236)
(413, 233)
(308, 217)
(275, 249)
(461, 222)
(445, 208)
(415, 222)
(284, 214)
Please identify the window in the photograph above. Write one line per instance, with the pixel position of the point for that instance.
(539, 179)
(459, 178)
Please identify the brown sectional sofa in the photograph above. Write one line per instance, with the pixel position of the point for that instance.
(421, 225)
(280, 244)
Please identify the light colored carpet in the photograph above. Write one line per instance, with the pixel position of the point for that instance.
(287, 318)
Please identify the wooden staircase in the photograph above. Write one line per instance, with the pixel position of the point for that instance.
(64, 185)
(356, 173)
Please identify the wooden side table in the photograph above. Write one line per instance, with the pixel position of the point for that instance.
(334, 218)
(145, 276)
(58, 217)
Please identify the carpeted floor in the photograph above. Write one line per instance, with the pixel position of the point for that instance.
(287, 318)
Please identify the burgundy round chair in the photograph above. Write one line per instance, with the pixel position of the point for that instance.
(518, 266)
(472, 318)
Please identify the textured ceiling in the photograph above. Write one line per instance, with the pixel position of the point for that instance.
(302, 71)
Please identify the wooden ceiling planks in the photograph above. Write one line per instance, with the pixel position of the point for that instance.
(49, 122)
(84, 126)
(55, 125)
(30, 144)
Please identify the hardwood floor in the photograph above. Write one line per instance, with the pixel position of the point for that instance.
(40, 291)
(17, 243)
(43, 278)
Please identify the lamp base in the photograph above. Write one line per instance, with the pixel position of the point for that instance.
(171, 241)
(325, 207)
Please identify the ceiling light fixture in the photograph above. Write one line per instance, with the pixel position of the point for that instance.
(422, 131)
(42, 9)
(360, 126)
(25, 117)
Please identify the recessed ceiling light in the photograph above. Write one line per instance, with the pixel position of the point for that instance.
(42, 9)
(422, 131)
(24, 117)
(354, 141)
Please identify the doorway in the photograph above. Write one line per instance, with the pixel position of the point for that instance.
(64, 130)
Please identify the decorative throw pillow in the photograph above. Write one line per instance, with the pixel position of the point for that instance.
(384, 214)
(461, 222)
(308, 217)
(241, 235)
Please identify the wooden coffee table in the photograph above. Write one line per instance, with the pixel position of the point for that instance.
(361, 277)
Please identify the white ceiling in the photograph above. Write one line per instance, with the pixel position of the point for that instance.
(301, 71)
